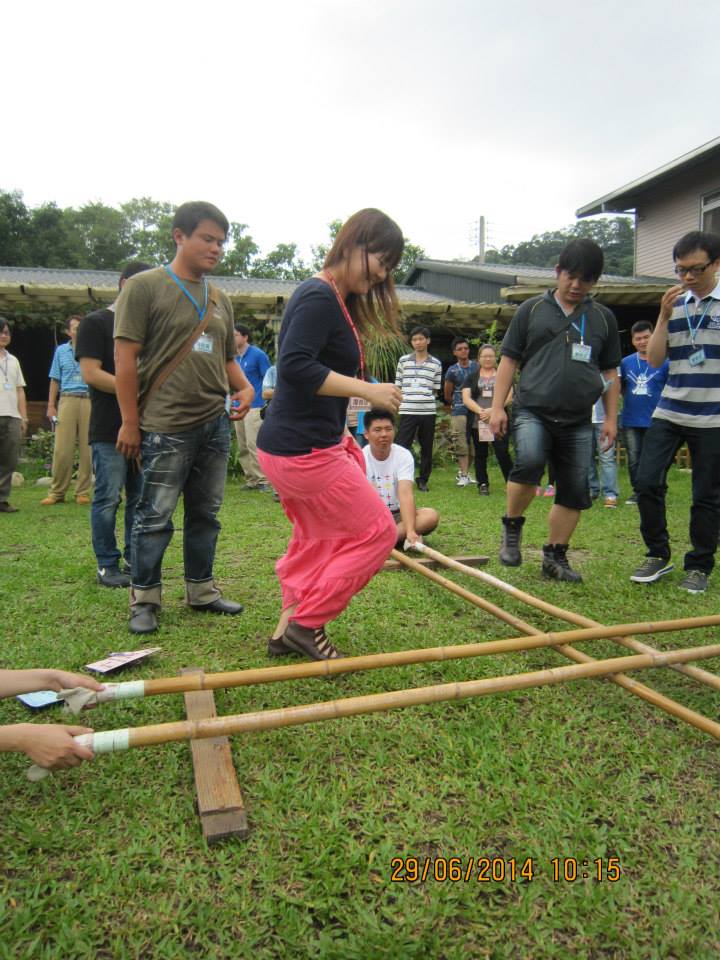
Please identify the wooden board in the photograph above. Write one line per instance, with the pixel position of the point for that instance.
(219, 800)
(474, 561)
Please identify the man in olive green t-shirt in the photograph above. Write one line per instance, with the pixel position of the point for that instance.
(180, 429)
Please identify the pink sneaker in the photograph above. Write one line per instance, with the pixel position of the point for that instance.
(549, 491)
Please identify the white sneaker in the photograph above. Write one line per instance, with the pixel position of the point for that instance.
(462, 480)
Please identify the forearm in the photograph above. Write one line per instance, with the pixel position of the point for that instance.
(14, 737)
(610, 397)
(54, 393)
(657, 344)
(126, 383)
(94, 376)
(237, 379)
(338, 385)
(22, 403)
(470, 403)
(406, 502)
(13, 682)
(503, 382)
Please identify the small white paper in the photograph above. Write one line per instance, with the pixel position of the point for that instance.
(115, 661)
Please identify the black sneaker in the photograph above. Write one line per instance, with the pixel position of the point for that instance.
(555, 564)
(112, 577)
(632, 500)
(651, 569)
(694, 581)
(510, 555)
(422, 486)
(483, 490)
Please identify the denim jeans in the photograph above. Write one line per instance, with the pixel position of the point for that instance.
(568, 446)
(192, 463)
(634, 439)
(662, 441)
(607, 485)
(112, 473)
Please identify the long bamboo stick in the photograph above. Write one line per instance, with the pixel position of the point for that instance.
(328, 668)
(114, 740)
(702, 676)
(659, 700)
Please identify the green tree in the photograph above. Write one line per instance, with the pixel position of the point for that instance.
(239, 252)
(51, 240)
(149, 229)
(411, 253)
(615, 236)
(103, 234)
(282, 263)
(14, 223)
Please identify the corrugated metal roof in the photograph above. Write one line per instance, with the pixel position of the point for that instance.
(503, 272)
(80, 290)
(625, 197)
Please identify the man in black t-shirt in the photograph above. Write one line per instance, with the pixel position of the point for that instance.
(113, 473)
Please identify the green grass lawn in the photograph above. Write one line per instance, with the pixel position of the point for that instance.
(108, 860)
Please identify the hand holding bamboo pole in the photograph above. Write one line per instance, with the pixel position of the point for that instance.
(115, 740)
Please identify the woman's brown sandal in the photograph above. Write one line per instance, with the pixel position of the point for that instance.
(309, 642)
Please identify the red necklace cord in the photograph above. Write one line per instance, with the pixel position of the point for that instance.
(326, 275)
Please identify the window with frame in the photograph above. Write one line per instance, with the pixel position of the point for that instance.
(710, 212)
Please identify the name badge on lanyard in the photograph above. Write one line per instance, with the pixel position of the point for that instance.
(204, 344)
(581, 351)
(697, 357)
(8, 386)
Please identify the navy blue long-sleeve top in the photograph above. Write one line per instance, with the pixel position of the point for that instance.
(315, 340)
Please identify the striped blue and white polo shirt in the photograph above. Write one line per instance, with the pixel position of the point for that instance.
(419, 383)
(691, 396)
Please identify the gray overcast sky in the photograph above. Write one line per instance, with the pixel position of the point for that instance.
(289, 114)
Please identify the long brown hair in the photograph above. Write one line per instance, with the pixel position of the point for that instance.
(374, 232)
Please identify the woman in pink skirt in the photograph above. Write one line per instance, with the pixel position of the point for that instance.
(342, 531)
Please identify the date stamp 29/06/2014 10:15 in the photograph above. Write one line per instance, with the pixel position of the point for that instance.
(503, 869)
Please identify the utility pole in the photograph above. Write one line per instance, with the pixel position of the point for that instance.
(481, 239)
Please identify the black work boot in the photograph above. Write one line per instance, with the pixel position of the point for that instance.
(555, 564)
(510, 555)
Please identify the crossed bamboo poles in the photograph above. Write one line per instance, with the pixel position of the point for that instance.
(585, 666)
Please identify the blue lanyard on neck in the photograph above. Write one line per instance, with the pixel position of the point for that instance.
(694, 330)
(200, 312)
(580, 329)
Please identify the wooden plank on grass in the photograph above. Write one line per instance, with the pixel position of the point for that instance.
(473, 561)
(219, 799)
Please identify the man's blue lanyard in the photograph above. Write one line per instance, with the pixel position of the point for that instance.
(694, 330)
(174, 277)
(580, 329)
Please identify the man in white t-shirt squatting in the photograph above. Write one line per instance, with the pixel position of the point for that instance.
(391, 470)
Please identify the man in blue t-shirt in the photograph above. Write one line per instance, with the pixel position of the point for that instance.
(641, 386)
(254, 363)
(71, 416)
(455, 378)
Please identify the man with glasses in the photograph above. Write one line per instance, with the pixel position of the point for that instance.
(174, 359)
(688, 334)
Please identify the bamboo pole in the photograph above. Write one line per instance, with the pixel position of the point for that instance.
(659, 700)
(114, 740)
(329, 668)
(702, 676)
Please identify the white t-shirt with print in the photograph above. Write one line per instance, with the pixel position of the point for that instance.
(384, 474)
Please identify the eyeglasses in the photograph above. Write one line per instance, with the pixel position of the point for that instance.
(693, 271)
